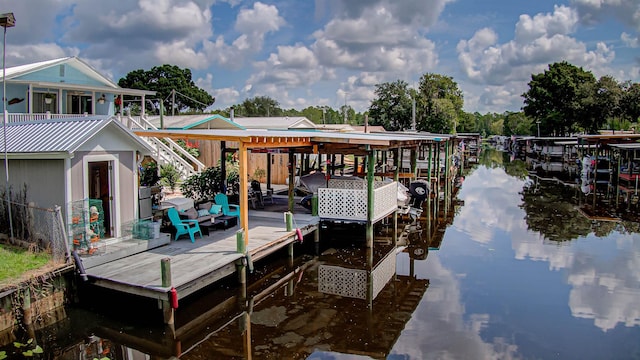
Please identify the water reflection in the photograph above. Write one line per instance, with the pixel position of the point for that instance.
(510, 269)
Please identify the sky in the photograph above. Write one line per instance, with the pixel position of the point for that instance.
(333, 52)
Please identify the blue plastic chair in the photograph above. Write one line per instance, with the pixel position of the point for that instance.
(183, 226)
(227, 209)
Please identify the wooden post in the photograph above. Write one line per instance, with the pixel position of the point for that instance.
(165, 274)
(396, 178)
(223, 166)
(269, 170)
(244, 190)
(165, 270)
(316, 240)
(26, 307)
(288, 218)
(370, 200)
(414, 162)
(241, 247)
(292, 179)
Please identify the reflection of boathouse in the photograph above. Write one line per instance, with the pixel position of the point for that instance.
(283, 313)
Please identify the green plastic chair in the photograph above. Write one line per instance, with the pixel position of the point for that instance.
(227, 209)
(184, 226)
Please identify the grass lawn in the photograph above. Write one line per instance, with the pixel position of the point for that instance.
(16, 261)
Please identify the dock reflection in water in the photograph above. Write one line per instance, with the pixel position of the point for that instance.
(510, 269)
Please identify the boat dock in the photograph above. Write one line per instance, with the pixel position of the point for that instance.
(188, 267)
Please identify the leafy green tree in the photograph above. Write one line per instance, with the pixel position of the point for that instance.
(439, 103)
(392, 106)
(559, 98)
(258, 106)
(630, 102)
(467, 123)
(165, 80)
(517, 123)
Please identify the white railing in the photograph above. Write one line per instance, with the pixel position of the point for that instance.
(22, 117)
(169, 152)
(347, 200)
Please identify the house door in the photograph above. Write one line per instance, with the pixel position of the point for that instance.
(100, 189)
(79, 104)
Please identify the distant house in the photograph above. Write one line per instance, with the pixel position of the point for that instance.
(67, 161)
(275, 123)
(62, 88)
(186, 122)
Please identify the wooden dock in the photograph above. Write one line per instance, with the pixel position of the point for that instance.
(194, 266)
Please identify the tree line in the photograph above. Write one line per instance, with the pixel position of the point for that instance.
(562, 100)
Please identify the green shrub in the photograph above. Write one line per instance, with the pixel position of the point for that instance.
(169, 176)
(205, 185)
(149, 174)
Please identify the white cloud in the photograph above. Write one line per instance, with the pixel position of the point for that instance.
(538, 41)
(630, 40)
(259, 20)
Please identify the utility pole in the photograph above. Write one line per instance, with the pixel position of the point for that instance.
(173, 102)
(345, 109)
(324, 110)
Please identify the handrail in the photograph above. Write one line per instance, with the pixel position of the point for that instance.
(200, 166)
(22, 117)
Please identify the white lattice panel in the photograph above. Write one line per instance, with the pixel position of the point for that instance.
(347, 184)
(383, 273)
(386, 200)
(341, 281)
(342, 204)
(350, 204)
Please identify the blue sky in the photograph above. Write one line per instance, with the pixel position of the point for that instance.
(328, 52)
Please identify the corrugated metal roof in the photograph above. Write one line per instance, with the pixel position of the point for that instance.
(55, 136)
(275, 122)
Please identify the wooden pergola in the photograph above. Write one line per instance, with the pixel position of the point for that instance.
(360, 144)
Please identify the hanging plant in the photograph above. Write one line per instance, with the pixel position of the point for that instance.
(118, 101)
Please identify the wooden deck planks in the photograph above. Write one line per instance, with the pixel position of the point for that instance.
(194, 265)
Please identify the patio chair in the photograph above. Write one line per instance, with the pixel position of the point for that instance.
(227, 209)
(183, 226)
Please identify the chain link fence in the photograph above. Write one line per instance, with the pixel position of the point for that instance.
(35, 228)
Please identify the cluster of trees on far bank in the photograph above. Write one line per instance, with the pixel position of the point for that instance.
(562, 100)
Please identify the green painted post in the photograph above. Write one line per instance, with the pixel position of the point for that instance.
(314, 205)
(240, 245)
(289, 220)
(370, 201)
(292, 177)
(165, 269)
(429, 165)
(396, 178)
(165, 273)
(414, 162)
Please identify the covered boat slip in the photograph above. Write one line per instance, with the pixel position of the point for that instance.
(367, 145)
(193, 268)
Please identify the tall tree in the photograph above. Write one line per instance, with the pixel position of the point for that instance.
(558, 99)
(164, 80)
(259, 106)
(439, 104)
(392, 106)
(630, 103)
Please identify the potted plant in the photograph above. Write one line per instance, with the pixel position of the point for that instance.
(48, 98)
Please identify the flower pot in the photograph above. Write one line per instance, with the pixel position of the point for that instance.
(48, 100)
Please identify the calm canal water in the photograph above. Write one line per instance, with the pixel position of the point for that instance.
(519, 273)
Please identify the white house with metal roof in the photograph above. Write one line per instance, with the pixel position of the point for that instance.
(61, 88)
(275, 123)
(68, 161)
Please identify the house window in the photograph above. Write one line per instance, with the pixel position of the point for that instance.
(61, 70)
(79, 104)
(43, 102)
